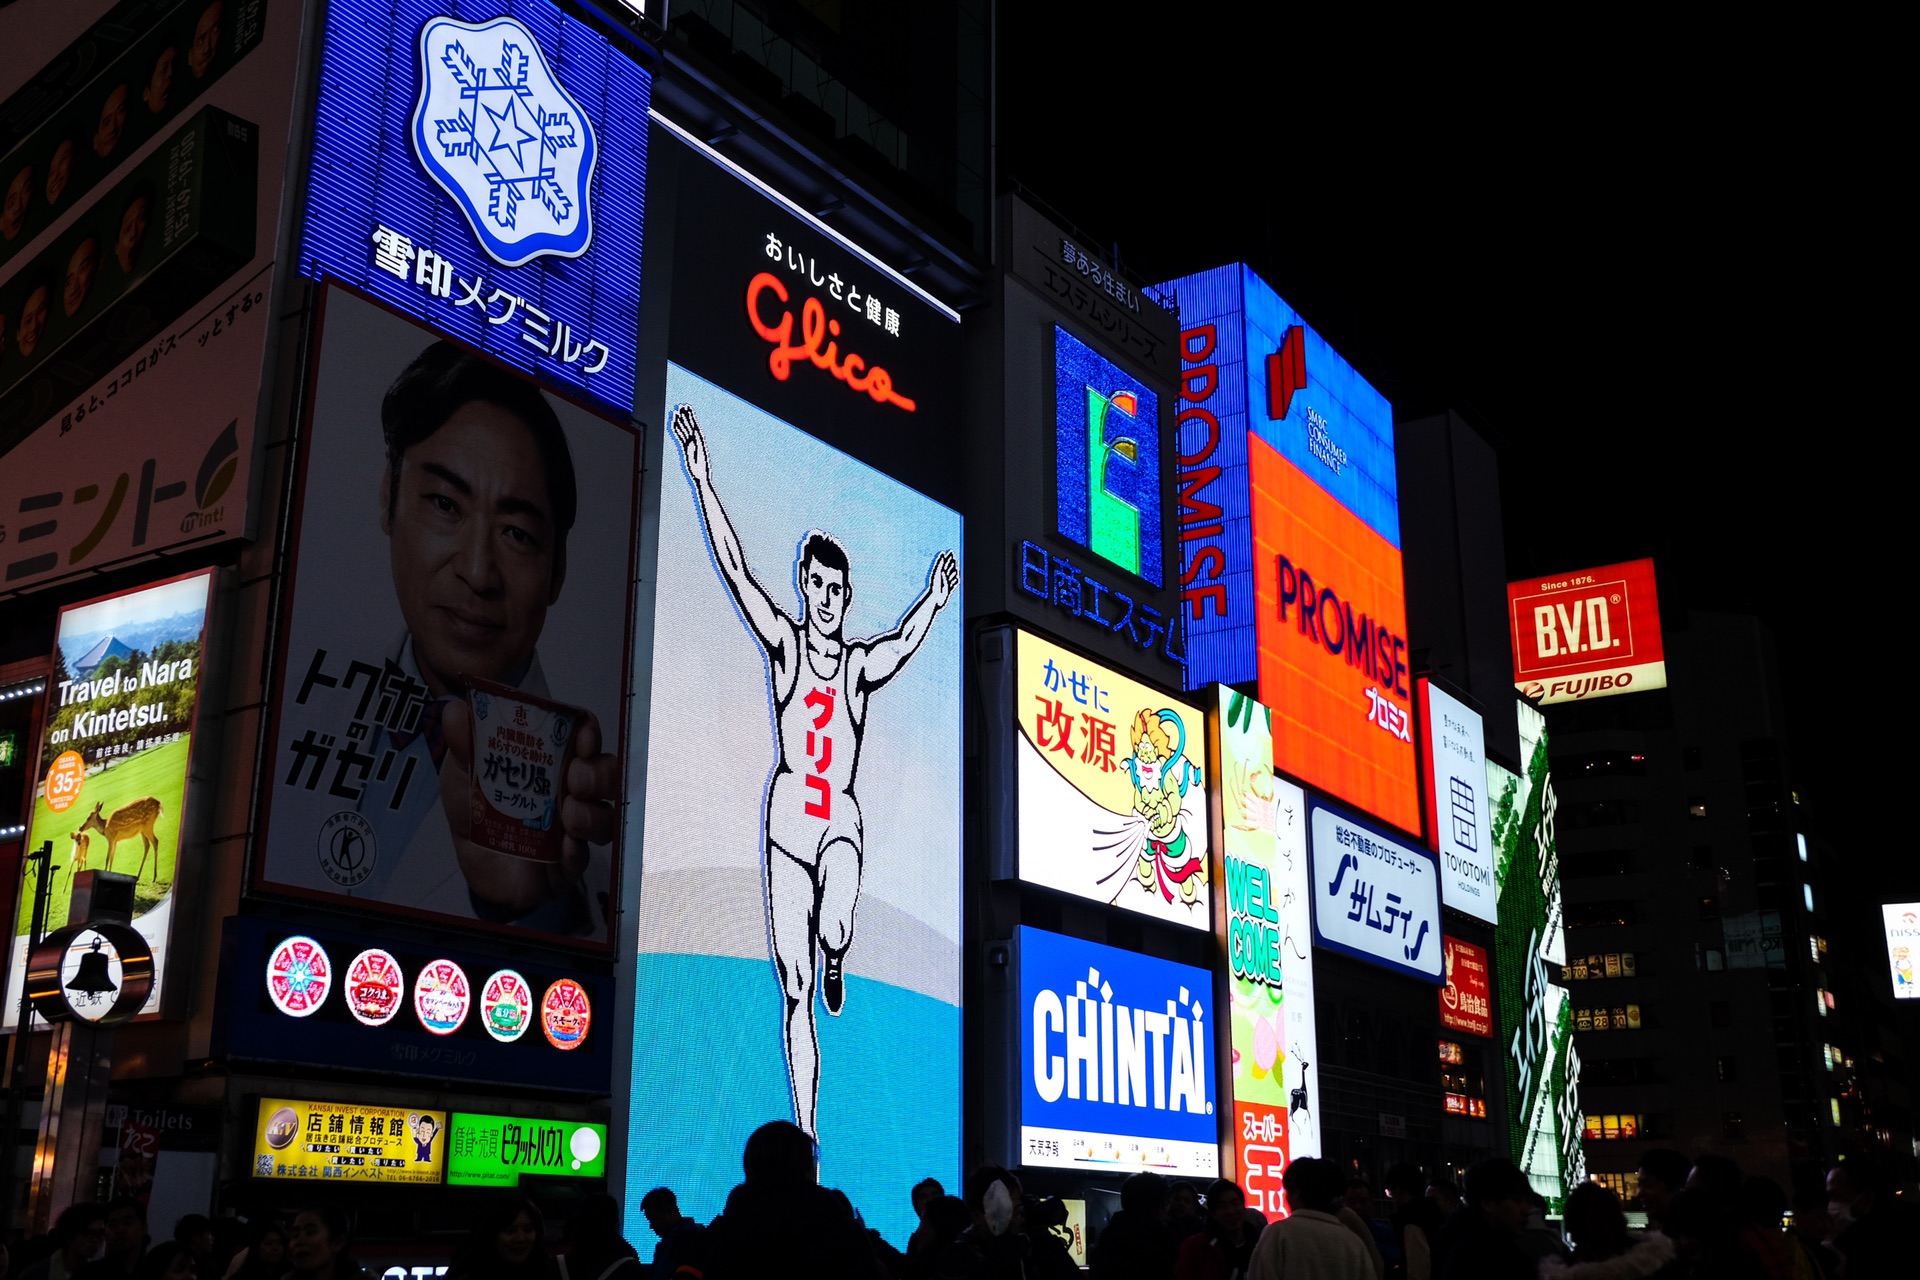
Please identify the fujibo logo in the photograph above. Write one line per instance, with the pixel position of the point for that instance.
(1087, 1047)
(504, 139)
(1107, 443)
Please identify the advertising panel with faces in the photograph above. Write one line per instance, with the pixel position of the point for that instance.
(449, 705)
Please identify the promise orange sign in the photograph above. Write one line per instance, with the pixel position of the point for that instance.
(1332, 627)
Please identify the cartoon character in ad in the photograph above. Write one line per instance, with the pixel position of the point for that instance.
(1162, 775)
(822, 682)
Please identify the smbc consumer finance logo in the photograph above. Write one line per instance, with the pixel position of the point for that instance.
(500, 134)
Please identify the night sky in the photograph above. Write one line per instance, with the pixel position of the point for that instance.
(1644, 264)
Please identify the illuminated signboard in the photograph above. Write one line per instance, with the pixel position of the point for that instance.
(1466, 996)
(115, 755)
(1587, 635)
(1333, 648)
(1251, 368)
(349, 1142)
(1113, 802)
(1542, 1067)
(1374, 898)
(799, 916)
(1902, 920)
(1116, 1060)
(369, 806)
(1106, 459)
(327, 999)
(481, 165)
(142, 171)
(1270, 956)
(1459, 823)
(494, 1151)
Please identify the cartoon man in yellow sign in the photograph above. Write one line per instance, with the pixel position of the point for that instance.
(1162, 774)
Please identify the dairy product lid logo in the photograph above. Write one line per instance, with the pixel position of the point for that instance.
(375, 985)
(299, 976)
(441, 997)
(500, 134)
(506, 1006)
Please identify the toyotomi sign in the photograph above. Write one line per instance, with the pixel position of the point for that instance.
(1116, 1050)
(1903, 940)
(1587, 635)
(1459, 826)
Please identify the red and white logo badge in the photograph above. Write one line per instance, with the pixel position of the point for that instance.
(565, 1014)
(442, 996)
(375, 987)
(299, 976)
(506, 1006)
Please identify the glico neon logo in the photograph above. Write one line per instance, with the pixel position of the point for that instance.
(816, 334)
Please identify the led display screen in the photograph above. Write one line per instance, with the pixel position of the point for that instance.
(1466, 996)
(401, 1003)
(1333, 648)
(1542, 1067)
(1902, 921)
(1459, 825)
(143, 174)
(445, 660)
(349, 1142)
(1269, 949)
(1106, 459)
(1251, 368)
(481, 165)
(799, 918)
(1587, 635)
(1113, 802)
(496, 1151)
(1116, 1057)
(1374, 897)
(115, 756)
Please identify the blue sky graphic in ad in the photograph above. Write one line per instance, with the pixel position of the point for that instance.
(481, 166)
(1107, 451)
(799, 919)
(1116, 1051)
(1250, 363)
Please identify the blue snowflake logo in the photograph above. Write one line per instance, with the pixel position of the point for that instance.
(501, 135)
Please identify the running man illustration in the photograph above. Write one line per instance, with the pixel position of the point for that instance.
(815, 843)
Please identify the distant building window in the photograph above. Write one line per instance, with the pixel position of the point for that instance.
(1732, 1126)
(1611, 964)
(1712, 960)
(1599, 862)
(1720, 1013)
(1726, 1068)
(1581, 815)
(1602, 764)
(1697, 807)
(1806, 892)
(1590, 915)
(1833, 1110)
(1690, 759)
(1801, 840)
(1710, 906)
(1615, 1128)
(1624, 1185)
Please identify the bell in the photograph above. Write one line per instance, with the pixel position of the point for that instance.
(92, 977)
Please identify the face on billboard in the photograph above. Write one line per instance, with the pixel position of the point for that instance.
(487, 178)
(1269, 949)
(350, 1142)
(115, 756)
(1902, 921)
(1333, 649)
(1107, 458)
(1113, 804)
(799, 909)
(1587, 635)
(1374, 897)
(132, 344)
(1459, 821)
(1116, 1058)
(450, 700)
